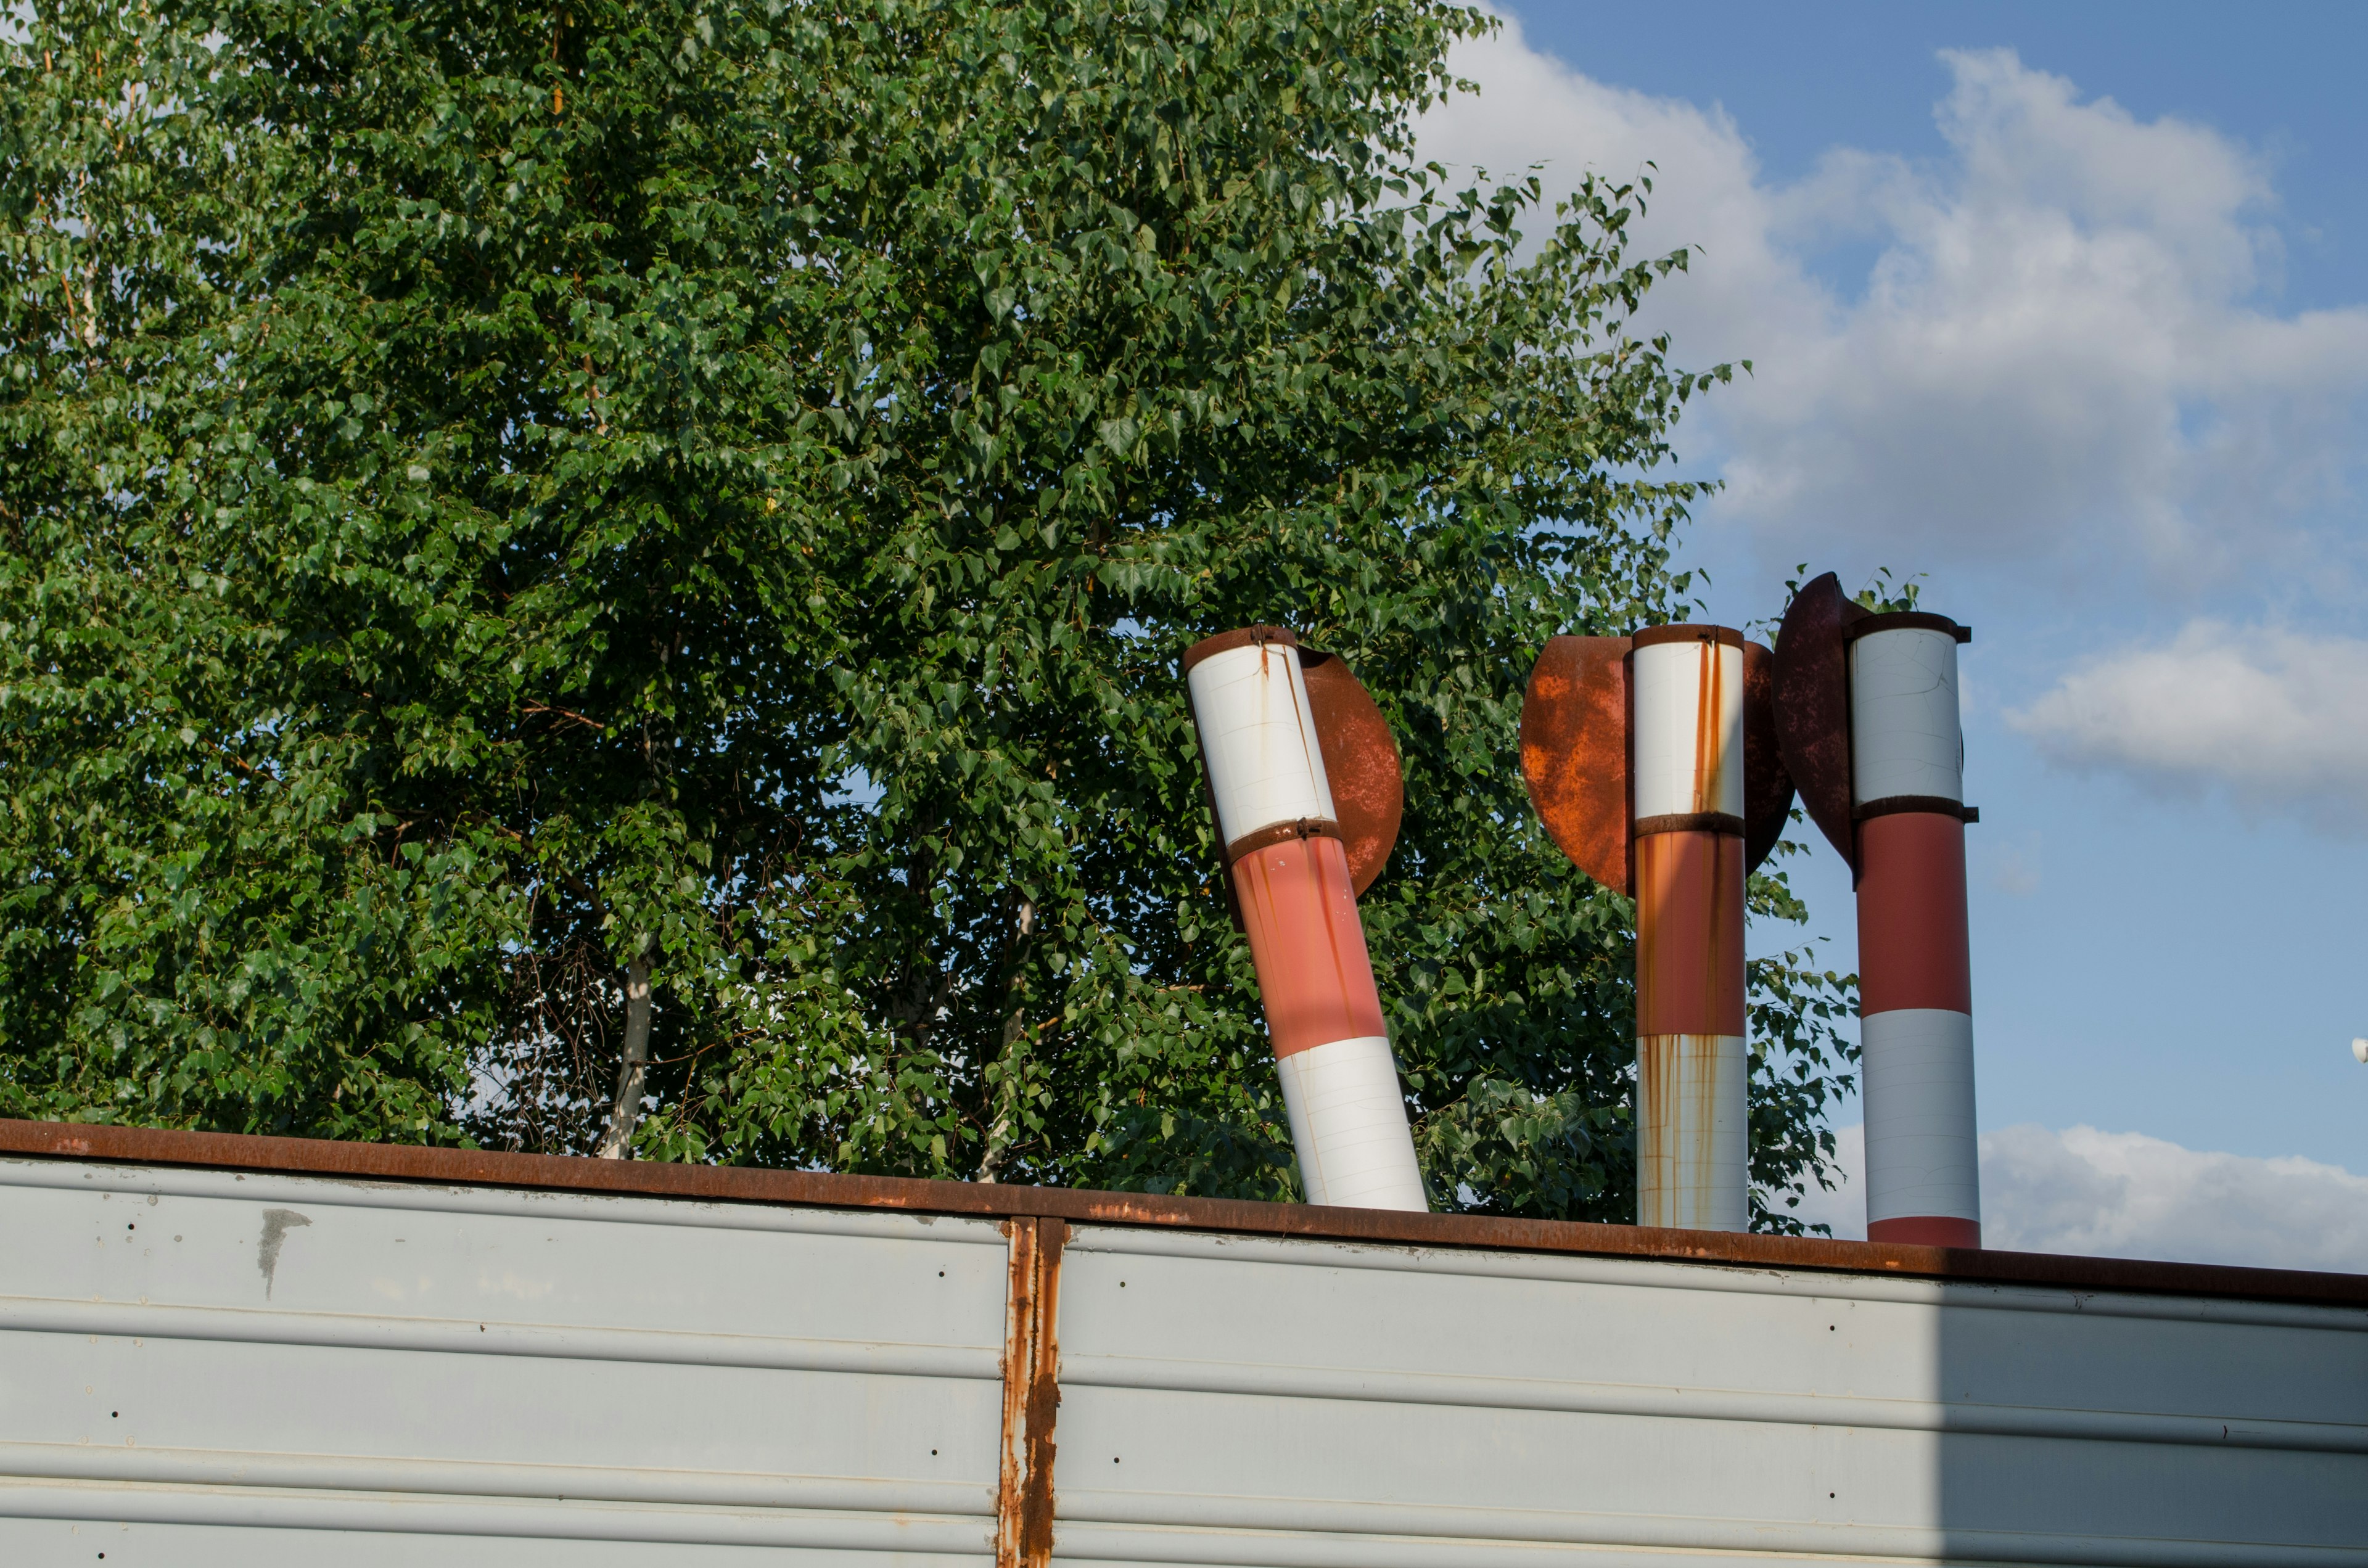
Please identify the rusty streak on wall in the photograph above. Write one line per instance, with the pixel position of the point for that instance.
(1031, 1393)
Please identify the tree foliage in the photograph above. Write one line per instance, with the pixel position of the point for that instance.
(494, 494)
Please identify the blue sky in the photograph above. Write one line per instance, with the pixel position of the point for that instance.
(2068, 308)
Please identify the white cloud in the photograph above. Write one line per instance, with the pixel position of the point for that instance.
(2277, 719)
(2126, 1195)
(2060, 353)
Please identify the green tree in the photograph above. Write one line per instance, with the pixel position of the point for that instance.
(555, 546)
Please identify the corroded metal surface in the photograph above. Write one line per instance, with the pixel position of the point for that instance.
(1031, 1393)
(1686, 632)
(1693, 1143)
(1241, 637)
(1689, 821)
(1360, 757)
(1267, 837)
(1575, 753)
(373, 1162)
(1767, 786)
(1812, 707)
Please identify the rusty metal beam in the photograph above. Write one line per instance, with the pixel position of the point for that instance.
(718, 1184)
(1032, 1392)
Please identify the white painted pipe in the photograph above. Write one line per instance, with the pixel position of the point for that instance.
(1922, 1158)
(1686, 743)
(1348, 1124)
(1905, 735)
(1693, 1158)
(1257, 734)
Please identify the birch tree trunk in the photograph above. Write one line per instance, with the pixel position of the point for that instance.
(1003, 1129)
(627, 1110)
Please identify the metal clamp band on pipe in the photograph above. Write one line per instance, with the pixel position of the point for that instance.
(1688, 821)
(1904, 620)
(1938, 805)
(1278, 832)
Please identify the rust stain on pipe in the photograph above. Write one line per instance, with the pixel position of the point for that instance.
(1575, 753)
(1656, 1079)
(1031, 1393)
(1709, 732)
(1678, 1082)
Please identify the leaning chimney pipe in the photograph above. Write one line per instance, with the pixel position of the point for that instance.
(1281, 836)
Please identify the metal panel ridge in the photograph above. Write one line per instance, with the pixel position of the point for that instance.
(471, 1167)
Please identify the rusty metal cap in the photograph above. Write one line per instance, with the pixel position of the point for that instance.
(1242, 637)
(1811, 699)
(1767, 783)
(1575, 753)
(1361, 758)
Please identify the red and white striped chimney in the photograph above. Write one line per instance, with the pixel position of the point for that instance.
(1866, 720)
(1291, 875)
(1687, 788)
(1908, 796)
(1653, 762)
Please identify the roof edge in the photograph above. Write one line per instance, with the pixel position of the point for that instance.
(729, 1184)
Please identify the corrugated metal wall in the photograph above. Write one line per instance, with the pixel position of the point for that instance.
(1231, 1400)
(201, 1367)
